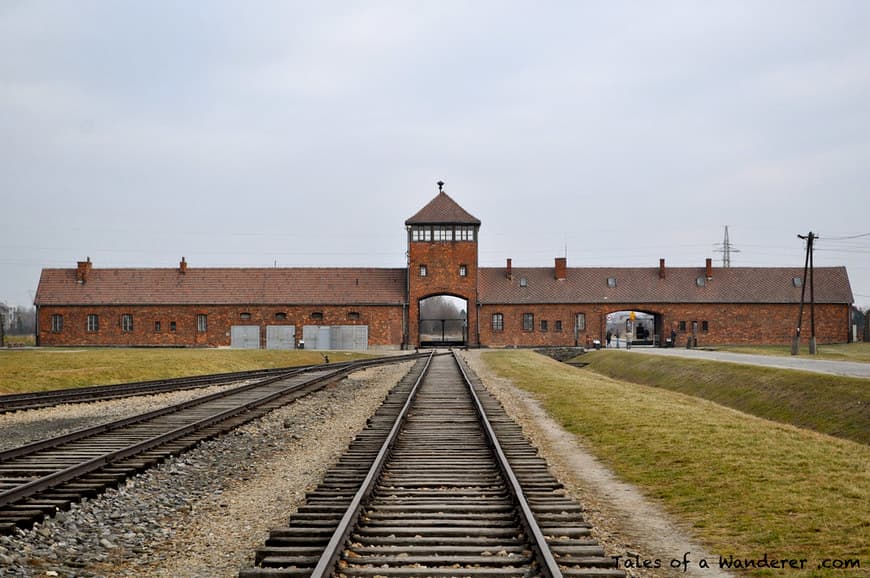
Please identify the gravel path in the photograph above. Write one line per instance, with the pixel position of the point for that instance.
(204, 513)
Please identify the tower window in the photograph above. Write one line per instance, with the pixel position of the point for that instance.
(423, 270)
(465, 233)
(463, 271)
(442, 233)
(420, 233)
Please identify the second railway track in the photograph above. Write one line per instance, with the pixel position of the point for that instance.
(441, 483)
(38, 479)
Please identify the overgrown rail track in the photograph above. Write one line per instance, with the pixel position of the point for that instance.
(441, 483)
(39, 478)
(50, 398)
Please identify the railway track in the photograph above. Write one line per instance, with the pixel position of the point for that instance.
(39, 478)
(50, 398)
(441, 483)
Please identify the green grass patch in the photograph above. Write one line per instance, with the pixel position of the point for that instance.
(858, 352)
(829, 404)
(43, 369)
(748, 486)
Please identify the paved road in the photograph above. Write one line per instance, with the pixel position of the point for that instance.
(803, 362)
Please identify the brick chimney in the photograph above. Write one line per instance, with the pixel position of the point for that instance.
(82, 270)
(661, 268)
(182, 267)
(509, 270)
(709, 268)
(561, 268)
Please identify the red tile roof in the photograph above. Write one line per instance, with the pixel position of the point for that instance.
(442, 210)
(326, 286)
(643, 285)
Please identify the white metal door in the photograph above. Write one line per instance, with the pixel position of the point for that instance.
(245, 336)
(280, 337)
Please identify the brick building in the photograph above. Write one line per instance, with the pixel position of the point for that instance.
(377, 308)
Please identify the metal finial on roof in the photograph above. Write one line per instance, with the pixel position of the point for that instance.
(440, 186)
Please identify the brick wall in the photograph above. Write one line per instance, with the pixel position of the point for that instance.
(726, 324)
(384, 323)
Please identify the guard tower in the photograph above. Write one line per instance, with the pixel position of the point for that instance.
(442, 263)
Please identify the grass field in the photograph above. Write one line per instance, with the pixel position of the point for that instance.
(748, 486)
(24, 370)
(829, 404)
(859, 352)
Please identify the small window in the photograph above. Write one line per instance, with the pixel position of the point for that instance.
(126, 323)
(528, 321)
(172, 326)
(423, 271)
(580, 321)
(353, 316)
(317, 315)
(497, 322)
(544, 325)
(280, 316)
(463, 271)
(557, 326)
(245, 316)
(682, 325)
(93, 322)
(701, 281)
(705, 327)
(611, 282)
(797, 281)
(156, 327)
(202, 323)
(56, 323)
(524, 282)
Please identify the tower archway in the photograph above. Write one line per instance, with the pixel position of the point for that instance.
(443, 321)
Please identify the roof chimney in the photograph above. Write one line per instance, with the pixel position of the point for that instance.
(561, 268)
(509, 271)
(661, 268)
(182, 267)
(82, 270)
(709, 268)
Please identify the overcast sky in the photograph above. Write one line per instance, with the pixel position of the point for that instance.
(305, 133)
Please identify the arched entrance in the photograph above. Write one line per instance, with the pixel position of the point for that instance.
(629, 328)
(443, 321)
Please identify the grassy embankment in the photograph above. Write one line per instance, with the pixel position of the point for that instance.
(748, 486)
(859, 352)
(829, 404)
(42, 369)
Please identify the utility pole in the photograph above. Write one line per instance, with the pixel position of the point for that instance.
(808, 266)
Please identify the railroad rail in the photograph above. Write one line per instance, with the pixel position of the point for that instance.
(39, 478)
(441, 483)
(50, 398)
